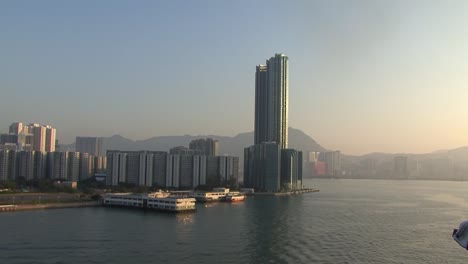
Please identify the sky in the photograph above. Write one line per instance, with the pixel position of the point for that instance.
(365, 76)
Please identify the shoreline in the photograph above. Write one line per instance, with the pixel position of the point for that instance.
(27, 207)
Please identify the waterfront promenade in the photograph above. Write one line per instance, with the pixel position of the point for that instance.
(25, 207)
(40, 198)
(37, 201)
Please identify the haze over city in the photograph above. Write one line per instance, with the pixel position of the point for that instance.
(364, 76)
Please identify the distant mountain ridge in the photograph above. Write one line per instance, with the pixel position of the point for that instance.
(457, 155)
(235, 146)
(227, 145)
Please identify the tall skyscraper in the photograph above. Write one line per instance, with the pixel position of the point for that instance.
(271, 101)
(261, 105)
(269, 165)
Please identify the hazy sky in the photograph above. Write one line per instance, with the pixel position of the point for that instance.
(365, 76)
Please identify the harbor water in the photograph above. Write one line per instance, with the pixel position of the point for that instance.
(348, 221)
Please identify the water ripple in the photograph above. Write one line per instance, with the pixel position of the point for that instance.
(347, 222)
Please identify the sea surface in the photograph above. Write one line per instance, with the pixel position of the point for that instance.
(348, 221)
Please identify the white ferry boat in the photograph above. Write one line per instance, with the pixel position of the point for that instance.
(158, 201)
(208, 196)
(233, 197)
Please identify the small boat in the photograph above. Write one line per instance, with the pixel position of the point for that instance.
(460, 235)
(233, 197)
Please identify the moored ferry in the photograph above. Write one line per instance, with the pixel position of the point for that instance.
(214, 196)
(157, 201)
(208, 196)
(233, 197)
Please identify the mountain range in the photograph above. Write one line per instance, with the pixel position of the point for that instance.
(227, 145)
(235, 146)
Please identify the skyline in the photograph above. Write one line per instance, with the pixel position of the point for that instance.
(367, 77)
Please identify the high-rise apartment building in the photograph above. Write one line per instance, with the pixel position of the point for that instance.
(4, 164)
(212, 170)
(29, 137)
(40, 164)
(12, 164)
(262, 167)
(271, 101)
(25, 161)
(199, 171)
(146, 169)
(181, 150)
(16, 128)
(157, 168)
(207, 147)
(172, 170)
(8, 139)
(58, 164)
(30, 164)
(91, 145)
(51, 134)
(332, 161)
(291, 169)
(116, 167)
(263, 161)
(64, 165)
(39, 136)
(186, 171)
(100, 164)
(228, 169)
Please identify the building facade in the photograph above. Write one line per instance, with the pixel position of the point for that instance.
(50, 139)
(207, 147)
(271, 101)
(91, 145)
(291, 169)
(69, 166)
(4, 164)
(262, 167)
(181, 150)
(162, 169)
(332, 160)
(29, 137)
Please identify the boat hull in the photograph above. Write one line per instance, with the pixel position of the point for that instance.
(461, 239)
